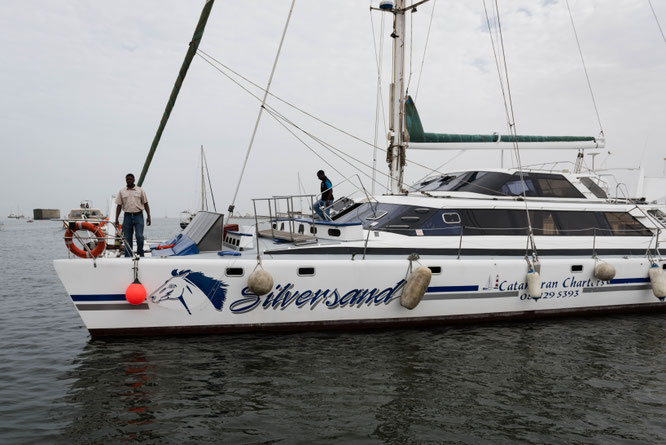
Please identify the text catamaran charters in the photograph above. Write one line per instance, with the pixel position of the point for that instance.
(486, 244)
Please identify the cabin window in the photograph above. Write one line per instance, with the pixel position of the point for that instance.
(234, 271)
(516, 187)
(301, 228)
(576, 268)
(555, 186)
(578, 223)
(437, 225)
(593, 187)
(306, 271)
(624, 224)
(659, 215)
(333, 232)
(435, 269)
(451, 218)
(375, 216)
(543, 223)
(494, 222)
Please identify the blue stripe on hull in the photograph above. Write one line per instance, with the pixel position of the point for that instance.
(629, 280)
(105, 297)
(453, 289)
(432, 289)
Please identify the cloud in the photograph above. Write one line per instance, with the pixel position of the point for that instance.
(84, 85)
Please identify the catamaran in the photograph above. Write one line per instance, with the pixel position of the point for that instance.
(460, 246)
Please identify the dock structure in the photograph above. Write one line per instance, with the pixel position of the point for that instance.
(46, 214)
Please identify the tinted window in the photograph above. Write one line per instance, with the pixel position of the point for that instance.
(577, 223)
(442, 222)
(623, 224)
(593, 187)
(515, 187)
(487, 183)
(555, 186)
(494, 222)
(496, 183)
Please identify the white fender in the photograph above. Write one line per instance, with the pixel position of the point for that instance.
(416, 287)
(260, 282)
(658, 281)
(534, 284)
(604, 271)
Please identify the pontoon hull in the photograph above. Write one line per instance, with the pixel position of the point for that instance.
(202, 295)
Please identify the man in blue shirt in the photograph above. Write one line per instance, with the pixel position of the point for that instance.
(326, 200)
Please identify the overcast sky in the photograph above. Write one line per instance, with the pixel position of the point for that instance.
(83, 86)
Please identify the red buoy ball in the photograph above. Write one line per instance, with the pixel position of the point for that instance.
(135, 293)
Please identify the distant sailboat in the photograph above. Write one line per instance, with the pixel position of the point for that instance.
(17, 215)
(186, 216)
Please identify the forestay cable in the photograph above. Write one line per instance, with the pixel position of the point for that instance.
(657, 19)
(511, 122)
(261, 109)
(589, 85)
(425, 48)
(209, 59)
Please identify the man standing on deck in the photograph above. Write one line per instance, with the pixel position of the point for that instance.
(326, 199)
(132, 200)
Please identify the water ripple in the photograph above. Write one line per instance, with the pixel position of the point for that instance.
(588, 381)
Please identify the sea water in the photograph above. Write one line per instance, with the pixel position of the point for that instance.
(597, 380)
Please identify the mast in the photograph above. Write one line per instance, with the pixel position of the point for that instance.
(203, 183)
(191, 51)
(396, 152)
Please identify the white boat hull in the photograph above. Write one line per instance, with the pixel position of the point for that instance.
(195, 295)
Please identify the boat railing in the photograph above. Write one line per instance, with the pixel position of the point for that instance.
(279, 222)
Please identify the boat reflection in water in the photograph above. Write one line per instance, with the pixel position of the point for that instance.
(499, 383)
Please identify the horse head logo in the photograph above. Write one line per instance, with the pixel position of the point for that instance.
(190, 287)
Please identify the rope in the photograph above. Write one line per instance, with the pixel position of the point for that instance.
(589, 85)
(658, 24)
(261, 109)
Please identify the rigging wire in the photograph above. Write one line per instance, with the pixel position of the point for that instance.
(425, 48)
(499, 69)
(263, 102)
(379, 107)
(411, 49)
(205, 57)
(335, 151)
(457, 155)
(267, 107)
(657, 19)
(279, 99)
(511, 122)
(210, 185)
(580, 51)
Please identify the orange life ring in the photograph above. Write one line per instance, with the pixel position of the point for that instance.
(99, 247)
